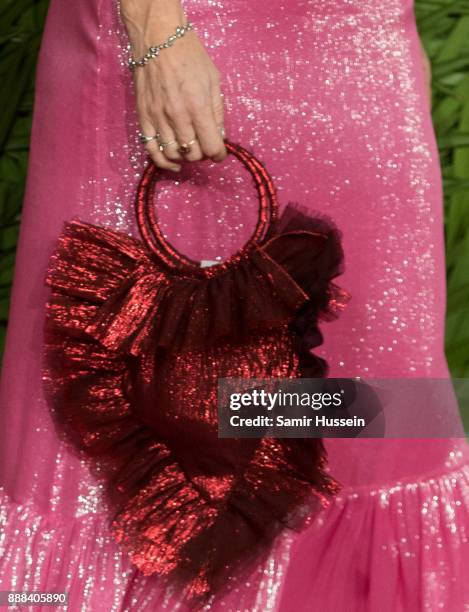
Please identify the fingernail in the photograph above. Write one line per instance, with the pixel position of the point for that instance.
(175, 168)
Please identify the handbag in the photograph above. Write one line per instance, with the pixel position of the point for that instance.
(136, 337)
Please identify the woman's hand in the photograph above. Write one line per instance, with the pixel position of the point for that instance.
(177, 93)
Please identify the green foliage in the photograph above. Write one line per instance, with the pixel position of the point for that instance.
(444, 27)
(21, 24)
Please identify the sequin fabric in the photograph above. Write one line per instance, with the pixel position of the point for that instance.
(331, 96)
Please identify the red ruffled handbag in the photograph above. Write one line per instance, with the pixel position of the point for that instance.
(136, 337)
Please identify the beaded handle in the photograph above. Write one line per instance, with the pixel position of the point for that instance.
(151, 232)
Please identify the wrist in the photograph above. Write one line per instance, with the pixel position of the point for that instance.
(149, 22)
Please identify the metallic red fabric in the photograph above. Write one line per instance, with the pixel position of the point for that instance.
(136, 337)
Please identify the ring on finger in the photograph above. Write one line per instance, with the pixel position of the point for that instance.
(163, 145)
(145, 139)
(185, 147)
(222, 131)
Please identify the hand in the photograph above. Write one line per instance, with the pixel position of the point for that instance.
(177, 93)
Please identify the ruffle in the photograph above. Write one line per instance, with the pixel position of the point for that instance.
(400, 547)
(112, 304)
(326, 299)
(131, 307)
(138, 309)
(211, 544)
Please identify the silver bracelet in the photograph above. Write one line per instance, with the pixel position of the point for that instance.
(155, 51)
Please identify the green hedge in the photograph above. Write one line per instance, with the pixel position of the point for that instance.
(21, 23)
(444, 26)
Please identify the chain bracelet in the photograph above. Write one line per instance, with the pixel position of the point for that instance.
(155, 51)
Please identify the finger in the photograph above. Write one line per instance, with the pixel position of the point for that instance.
(195, 152)
(212, 136)
(153, 149)
(209, 135)
(218, 106)
(160, 158)
(184, 130)
(167, 140)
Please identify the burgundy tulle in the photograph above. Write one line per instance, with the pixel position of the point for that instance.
(134, 347)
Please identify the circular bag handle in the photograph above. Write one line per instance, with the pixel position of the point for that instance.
(153, 236)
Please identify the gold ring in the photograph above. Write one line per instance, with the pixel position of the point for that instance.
(185, 147)
(163, 145)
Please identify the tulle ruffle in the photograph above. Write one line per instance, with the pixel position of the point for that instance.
(135, 306)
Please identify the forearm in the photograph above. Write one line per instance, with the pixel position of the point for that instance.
(148, 22)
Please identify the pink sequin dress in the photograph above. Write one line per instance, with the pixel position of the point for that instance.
(331, 96)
